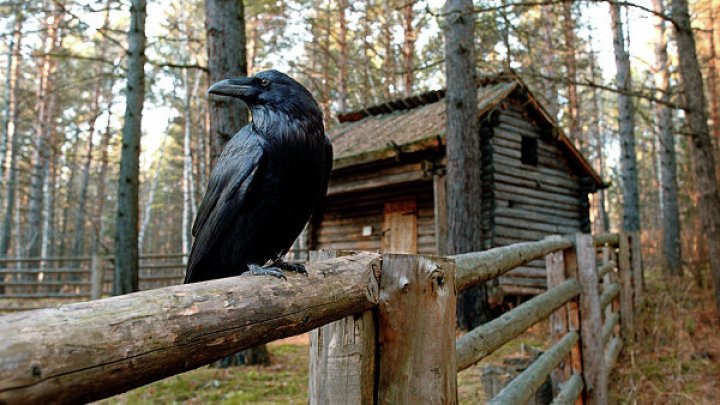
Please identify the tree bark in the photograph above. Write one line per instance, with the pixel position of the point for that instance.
(388, 66)
(701, 145)
(669, 207)
(147, 210)
(573, 126)
(188, 181)
(126, 228)
(342, 56)
(463, 191)
(626, 125)
(225, 26)
(602, 221)
(14, 139)
(547, 14)
(33, 228)
(408, 50)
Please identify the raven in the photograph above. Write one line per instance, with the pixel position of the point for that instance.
(265, 184)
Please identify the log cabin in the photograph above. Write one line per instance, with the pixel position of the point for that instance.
(387, 187)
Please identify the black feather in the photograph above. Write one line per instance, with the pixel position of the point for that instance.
(266, 183)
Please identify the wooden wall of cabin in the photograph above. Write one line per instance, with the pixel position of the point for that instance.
(340, 221)
(530, 201)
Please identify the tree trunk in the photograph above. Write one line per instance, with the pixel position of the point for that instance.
(10, 94)
(408, 51)
(574, 129)
(188, 187)
(79, 239)
(225, 26)
(701, 145)
(388, 66)
(342, 56)
(147, 210)
(126, 228)
(33, 228)
(14, 139)
(71, 159)
(463, 151)
(713, 83)
(547, 14)
(602, 221)
(47, 245)
(626, 126)
(672, 263)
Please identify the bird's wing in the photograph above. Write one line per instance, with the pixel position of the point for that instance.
(226, 194)
(230, 180)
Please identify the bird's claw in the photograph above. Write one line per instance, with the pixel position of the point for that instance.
(256, 270)
(293, 267)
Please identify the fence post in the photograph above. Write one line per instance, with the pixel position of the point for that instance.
(591, 321)
(96, 278)
(627, 318)
(417, 330)
(559, 319)
(342, 356)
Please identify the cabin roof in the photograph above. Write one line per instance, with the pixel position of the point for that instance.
(418, 123)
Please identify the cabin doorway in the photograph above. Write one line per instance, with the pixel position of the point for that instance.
(400, 226)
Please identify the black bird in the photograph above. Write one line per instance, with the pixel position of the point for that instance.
(265, 184)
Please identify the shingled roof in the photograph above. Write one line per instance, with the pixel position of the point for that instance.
(418, 123)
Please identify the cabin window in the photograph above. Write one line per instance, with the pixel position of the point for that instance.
(529, 151)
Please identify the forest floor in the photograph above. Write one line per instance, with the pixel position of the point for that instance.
(675, 361)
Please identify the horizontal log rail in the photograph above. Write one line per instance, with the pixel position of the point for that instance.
(522, 387)
(485, 339)
(86, 351)
(609, 327)
(606, 268)
(611, 291)
(610, 239)
(569, 391)
(479, 267)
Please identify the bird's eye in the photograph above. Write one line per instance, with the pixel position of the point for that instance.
(264, 82)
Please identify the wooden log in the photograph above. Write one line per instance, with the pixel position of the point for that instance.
(440, 215)
(522, 387)
(87, 351)
(509, 289)
(606, 268)
(611, 291)
(638, 282)
(559, 319)
(571, 270)
(608, 327)
(478, 267)
(612, 353)
(342, 356)
(627, 313)
(486, 338)
(593, 364)
(417, 330)
(611, 239)
(569, 392)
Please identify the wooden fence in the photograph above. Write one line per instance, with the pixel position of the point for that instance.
(383, 327)
(39, 282)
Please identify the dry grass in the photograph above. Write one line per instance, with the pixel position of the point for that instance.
(677, 358)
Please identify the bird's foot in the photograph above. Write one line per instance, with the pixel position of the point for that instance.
(293, 267)
(256, 270)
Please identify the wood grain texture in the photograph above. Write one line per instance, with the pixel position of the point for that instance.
(478, 267)
(417, 330)
(86, 351)
(485, 339)
(559, 319)
(627, 314)
(591, 324)
(343, 356)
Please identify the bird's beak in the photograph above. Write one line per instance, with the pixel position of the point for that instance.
(238, 88)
